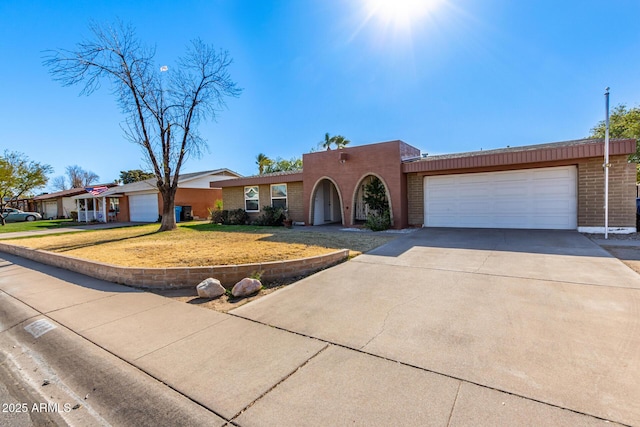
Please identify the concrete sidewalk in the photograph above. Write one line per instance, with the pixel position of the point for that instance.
(247, 372)
(69, 229)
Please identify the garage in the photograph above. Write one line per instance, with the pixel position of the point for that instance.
(50, 209)
(143, 207)
(543, 198)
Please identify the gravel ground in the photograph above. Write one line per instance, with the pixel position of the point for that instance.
(631, 236)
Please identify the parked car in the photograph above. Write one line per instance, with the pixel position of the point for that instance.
(16, 215)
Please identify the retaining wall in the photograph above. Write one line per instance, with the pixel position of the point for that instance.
(179, 277)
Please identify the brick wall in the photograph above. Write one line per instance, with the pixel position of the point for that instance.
(415, 195)
(180, 277)
(233, 198)
(622, 193)
(295, 199)
(349, 166)
(200, 200)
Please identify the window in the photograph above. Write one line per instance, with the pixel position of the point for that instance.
(252, 199)
(114, 204)
(279, 196)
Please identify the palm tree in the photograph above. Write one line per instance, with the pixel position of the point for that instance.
(263, 162)
(327, 141)
(340, 141)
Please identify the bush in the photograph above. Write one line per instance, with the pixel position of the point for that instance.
(270, 216)
(74, 215)
(234, 217)
(219, 216)
(378, 222)
(237, 217)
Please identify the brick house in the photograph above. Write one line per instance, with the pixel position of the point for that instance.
(61, 203)
(548, 186)
(141, 201)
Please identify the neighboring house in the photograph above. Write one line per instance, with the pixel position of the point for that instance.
(26, 204)
(61, 203)
(141, 201)
(547, 186)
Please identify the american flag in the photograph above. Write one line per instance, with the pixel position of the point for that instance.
(96, 190)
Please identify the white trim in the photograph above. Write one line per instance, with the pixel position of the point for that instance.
(286, 196)
(244, 194)
(612, 230)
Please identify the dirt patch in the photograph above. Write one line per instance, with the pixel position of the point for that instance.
(225, 302)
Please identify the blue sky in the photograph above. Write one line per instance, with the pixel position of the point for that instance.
(458, 75)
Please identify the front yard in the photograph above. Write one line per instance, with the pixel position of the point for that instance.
(45, 224)
(201, 244)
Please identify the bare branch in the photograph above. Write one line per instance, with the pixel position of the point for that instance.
(162, 121)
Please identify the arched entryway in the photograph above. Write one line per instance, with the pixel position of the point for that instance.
(326, 203)
(360, 208)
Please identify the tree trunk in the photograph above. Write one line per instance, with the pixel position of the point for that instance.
(168, 209)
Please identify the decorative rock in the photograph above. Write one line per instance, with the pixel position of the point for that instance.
(210, 288)
(246, 287)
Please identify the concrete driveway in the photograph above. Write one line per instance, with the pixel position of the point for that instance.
(513, 323)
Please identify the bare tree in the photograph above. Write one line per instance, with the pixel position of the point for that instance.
(79, 177)
(59, 183)
(162, 120)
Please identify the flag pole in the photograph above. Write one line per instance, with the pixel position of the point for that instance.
(606, 165)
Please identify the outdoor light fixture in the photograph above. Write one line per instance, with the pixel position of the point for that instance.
(343, 157)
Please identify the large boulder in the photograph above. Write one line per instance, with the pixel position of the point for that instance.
(210, 288)
(246, 287)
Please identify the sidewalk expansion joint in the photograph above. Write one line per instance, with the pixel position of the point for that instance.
(79, 303)
(431, 371)
(181, 339)
(22, 321)
(134, 366)
(280, 382)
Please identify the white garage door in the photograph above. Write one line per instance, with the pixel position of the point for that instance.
(143, 208)
(544, 198)
(51, 209)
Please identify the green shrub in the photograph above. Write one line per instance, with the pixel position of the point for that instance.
(375, 198)
(219, 216)
(270, 216)
(378, 222)
(237, 217)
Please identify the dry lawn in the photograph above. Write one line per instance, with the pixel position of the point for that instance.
(201, 244)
